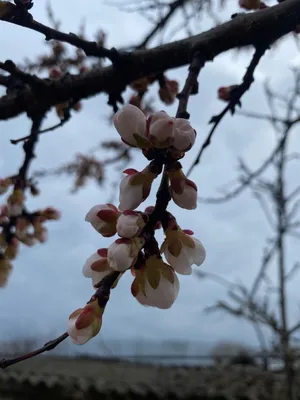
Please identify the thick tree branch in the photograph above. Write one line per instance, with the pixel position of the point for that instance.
(245, 30)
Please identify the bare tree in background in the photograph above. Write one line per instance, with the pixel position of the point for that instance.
(280, 206)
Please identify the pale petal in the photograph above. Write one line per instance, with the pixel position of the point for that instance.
(92, 217)
(119, 257)
(79, 336)
(162, 129)
(129, 120)
(181, 264)
(127, 226)
(187, 199)
(163, 297)
(199, 252)
(184, 135)
(130, 196)
(86, 269)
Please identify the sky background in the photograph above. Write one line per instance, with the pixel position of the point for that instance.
(47, 284)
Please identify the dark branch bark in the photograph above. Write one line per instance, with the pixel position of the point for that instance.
(245, 30)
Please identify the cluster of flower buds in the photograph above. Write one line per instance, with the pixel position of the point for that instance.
(18, 226)
(163, 140)
(63, 109)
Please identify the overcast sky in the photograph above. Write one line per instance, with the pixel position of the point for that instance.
(47, 284)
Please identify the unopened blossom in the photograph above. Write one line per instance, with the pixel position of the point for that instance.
(50, 213)
(182, 250)
(165, 131)
(28, 239)
(97, 266)
(140, 85)
(136, 101)
(41, 233)
(249, 4)
(169, 91)
(155, 284)
(182, 189)
(225, 92)
(135, 187)
(161, 129)
(22, 224)
(130, 122)
(103, 218)
(15, 203)
(5, 270)
(4, 185)
(130, 223)
(123, 253)
(184, 135)
(85, 323)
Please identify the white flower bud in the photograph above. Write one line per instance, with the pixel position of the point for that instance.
(130, 122)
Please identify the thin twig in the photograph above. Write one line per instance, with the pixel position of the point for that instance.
(51, 128)
(90, 48)
(47, 347)
(236, 96)
(190, 86)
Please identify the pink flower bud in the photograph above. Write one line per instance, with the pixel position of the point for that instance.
(130, 224)
(28, 239)
(182, 250)
(85, 323)
(169, 91)
(135, 188)
(130, 122)
(97, 266)
(103, 218)
(15, 203)
(123, 253)
(161, 129)
(184, 135)
(225, 92)
(155, 284)
(41, 234)
(182, 189)
(249, 4)
(51, 213)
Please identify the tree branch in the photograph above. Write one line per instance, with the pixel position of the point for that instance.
(244, 30)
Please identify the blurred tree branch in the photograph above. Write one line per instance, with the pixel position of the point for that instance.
(244, 30)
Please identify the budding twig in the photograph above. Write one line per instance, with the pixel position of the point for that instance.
(26, 20)
(50, 129)
(190, 86)
(29, 146)
(47, 347)
(32, 80)
(236, 96)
